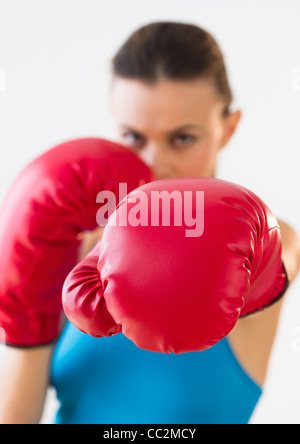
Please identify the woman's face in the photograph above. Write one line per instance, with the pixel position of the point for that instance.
(176, 127)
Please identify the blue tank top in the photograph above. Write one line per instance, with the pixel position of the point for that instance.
(111, 381)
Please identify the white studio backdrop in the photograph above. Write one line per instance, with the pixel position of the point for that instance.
(54, 86)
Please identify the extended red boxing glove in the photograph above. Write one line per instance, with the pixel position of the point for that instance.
(177, 272)
(53, 200)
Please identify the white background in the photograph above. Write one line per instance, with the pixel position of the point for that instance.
(54, 85)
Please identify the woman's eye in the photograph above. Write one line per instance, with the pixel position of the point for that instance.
(184, 140)
(132, 138)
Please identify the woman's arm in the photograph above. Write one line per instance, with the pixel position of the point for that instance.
(253, 337)
(24, 378)
(290, 250)
(89, 240)
(24, 382)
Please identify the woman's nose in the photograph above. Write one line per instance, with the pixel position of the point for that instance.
(157, 158)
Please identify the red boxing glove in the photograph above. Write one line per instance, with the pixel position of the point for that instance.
(171, 288)
(52, 201)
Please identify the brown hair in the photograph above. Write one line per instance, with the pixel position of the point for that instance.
(174, 51)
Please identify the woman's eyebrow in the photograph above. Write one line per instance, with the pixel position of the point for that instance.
(186, 127)
(177, 130)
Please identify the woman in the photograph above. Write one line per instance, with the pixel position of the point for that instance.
(171, 101)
